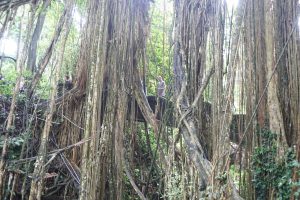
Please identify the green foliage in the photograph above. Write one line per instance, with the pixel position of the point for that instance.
(142, 164)
(43, 88)
(222, 177)
(54, 11)
(235, 174)
(297, 183)
(272, 176)
(15, 145)
(158, 47)
(5, 88)
(9, 78)
(174, 186)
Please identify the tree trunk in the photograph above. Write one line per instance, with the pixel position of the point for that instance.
(275, 115)
(47, 55)
(31, 62)
(260, 63)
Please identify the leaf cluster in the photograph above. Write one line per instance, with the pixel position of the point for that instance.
(272, 177)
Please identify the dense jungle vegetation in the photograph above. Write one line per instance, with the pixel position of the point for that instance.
(149, 99)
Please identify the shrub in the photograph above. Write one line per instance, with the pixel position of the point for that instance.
(272, 177)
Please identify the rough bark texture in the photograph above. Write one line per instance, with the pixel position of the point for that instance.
(191, 80)
(188, 58)
(287, 52)
(94, 122)
(275, 115)
(121, 25)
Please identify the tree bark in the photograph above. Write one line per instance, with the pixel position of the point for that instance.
(31, 62)
(275, 115)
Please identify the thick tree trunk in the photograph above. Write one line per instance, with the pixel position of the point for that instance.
(184, 63)
(287, 51)
(117, 61)
(250, 121)
(260, 62)
(275, 115)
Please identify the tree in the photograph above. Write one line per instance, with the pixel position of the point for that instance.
(233, 94)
